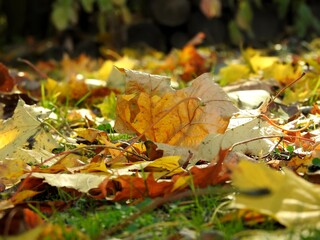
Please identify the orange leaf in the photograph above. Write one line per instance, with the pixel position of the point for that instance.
(18, 220)
(130, 187)
(174, 117)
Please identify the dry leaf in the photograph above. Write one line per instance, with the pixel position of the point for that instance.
(173, 117)
(131, 187)
(82, 182)
(285, 196)
(169, 166)
(209, 148)
(232, 73)
(6, 81)
(17, 130)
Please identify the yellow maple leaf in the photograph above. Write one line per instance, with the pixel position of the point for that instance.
(261, 62)
(169, 164)
(106, 68)
(232, 73)
(285, 196)
(283, 72)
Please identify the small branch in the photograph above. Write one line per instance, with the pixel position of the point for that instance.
(286, 130)
(43, 75)
(284, 88)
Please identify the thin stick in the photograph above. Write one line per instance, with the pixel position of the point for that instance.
(283, 129)
(43, 75)
(284, 88)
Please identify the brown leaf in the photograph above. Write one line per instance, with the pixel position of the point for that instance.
(6, 81)
(18, 220)
(174, 117)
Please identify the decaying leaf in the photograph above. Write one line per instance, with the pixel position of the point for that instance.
(285, 196)
(209, 148)
(82, 182)
(16, 131)
(182, 117)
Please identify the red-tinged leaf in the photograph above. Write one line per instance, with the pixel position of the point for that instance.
(204, 177)
(132, 187)
(6, 81)
(18, 220)
(31, 218)
(32, 183)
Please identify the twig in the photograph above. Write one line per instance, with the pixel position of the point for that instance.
(43, 75)
(284, 88)
(286, 130)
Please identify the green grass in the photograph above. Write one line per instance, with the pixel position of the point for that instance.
(192, 214)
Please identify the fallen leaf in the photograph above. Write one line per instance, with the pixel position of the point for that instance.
(11, 170)
(169, 166)
(174, 117)
(209, 148)
(232, 73)
(131, 187)
(6, 81)
(17, 130)
(286, 197)
(82, 182)
(107, 67)
(18, 220)
(284, 73)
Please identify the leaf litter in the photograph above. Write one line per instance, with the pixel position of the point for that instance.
(177, 140)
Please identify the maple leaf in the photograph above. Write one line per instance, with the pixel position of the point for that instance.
(154, 109)
(285, 196)
(233, 72)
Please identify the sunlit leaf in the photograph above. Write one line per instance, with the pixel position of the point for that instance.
(182, 117)
(169, 165)
(17, 130)
(290, 199)
(82, 182)
(232, 73)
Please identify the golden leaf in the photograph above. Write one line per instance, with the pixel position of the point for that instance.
(285, 196)
(173, 117)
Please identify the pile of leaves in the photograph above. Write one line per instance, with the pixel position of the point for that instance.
(115, 132)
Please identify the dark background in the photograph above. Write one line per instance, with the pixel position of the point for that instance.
(160, 24)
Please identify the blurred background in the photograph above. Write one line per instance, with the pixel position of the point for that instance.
(49, 28)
